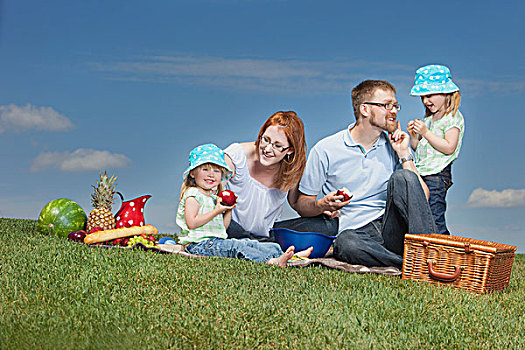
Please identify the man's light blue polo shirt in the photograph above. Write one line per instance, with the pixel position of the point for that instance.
(337, 161)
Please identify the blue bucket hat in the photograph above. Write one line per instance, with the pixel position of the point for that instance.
(433, 79)
(208, 153)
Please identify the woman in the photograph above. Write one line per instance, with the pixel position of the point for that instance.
(265, 173)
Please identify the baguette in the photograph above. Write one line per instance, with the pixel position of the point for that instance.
(108, 235)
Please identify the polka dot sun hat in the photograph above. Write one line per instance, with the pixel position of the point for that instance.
(208, 153)
(433, 79)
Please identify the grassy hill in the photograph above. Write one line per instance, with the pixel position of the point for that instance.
(60, 294)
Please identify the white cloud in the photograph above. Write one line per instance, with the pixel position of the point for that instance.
(282, 75)
(278, 75)
(481, 198)
(17, 118)
(79, 160)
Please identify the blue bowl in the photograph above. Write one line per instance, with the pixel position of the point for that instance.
(303, 240)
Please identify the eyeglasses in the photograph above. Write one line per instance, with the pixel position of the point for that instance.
(265, 141)
(387, 106)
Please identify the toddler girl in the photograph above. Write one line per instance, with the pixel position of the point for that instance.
(203, 219)
(436, 139)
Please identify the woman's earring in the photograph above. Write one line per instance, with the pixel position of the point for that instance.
(289, 158)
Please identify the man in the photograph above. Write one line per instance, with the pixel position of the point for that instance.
(389, 197)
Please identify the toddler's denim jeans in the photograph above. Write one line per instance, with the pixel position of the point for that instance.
(438, 185)
(236, 248)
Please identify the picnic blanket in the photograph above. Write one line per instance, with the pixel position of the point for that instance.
(327, 261)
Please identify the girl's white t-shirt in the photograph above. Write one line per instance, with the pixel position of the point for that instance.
(258, 207)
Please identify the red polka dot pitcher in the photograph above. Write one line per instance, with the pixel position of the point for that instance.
(131, 213)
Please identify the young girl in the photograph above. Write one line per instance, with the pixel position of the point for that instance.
(203, 219)
(436, 139)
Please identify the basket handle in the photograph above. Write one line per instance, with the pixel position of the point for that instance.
(444, 277)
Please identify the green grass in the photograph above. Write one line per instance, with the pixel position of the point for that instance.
(59, 294)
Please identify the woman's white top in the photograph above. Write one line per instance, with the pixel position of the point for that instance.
(258, 207)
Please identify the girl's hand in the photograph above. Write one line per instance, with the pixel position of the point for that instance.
(220, 208)
(420, 127)
(410, 129)
(414, 137)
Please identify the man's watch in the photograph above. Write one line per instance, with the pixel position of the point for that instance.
(406, 159)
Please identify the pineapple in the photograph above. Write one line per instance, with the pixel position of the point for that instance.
(102, 200)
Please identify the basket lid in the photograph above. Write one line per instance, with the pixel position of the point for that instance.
(461, 242)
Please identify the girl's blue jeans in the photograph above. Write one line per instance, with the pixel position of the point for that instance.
(246, 249)
(438, 185)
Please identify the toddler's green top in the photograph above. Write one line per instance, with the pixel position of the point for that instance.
(213, 229)
(430, 161)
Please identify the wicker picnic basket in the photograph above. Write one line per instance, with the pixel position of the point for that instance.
(476, 265)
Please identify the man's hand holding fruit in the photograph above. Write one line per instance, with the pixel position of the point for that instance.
(334, 201)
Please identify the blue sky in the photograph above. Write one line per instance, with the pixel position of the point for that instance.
(133, 86)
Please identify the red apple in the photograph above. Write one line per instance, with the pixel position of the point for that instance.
(228, 198)
(345, 192)
(77, 236)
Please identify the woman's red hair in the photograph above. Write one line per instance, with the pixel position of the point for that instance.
(292, 165)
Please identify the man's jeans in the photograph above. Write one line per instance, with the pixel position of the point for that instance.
(438, 185)
(236, 248)
(235, 230)
(380, 242)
